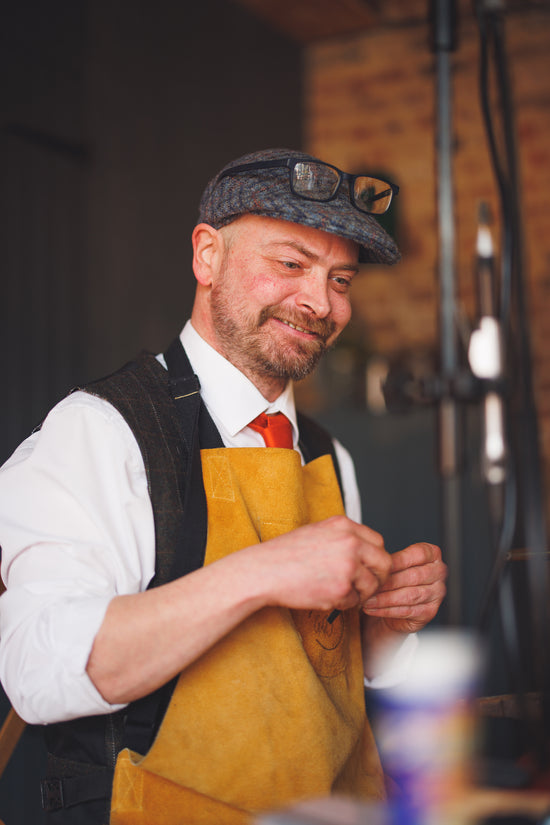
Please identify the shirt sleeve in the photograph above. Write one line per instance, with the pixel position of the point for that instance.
(352, 498)
(76, 529)
(396, 669)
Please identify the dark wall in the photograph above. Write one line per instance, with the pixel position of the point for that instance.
(176, 90)
(114, 114)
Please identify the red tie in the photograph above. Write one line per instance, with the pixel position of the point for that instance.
(275, 429)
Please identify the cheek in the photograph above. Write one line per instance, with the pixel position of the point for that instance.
(268, 291)
(249, 277)
(341, 312)
(249, 290)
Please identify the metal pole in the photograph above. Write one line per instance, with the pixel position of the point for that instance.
(444, 20)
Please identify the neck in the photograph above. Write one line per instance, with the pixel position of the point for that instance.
(270, 388)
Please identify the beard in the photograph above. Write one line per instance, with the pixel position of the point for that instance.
(249, 344)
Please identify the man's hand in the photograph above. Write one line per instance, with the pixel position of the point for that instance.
(147, 638)
(335, 563)
(412, 594)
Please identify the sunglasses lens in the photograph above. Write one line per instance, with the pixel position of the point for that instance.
(314, 181)
(372, 195)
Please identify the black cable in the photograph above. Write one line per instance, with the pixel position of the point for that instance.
(503, 543)
(500, 174)
(514, 323)
(532, 498)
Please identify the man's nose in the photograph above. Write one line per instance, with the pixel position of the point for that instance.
(314, 296)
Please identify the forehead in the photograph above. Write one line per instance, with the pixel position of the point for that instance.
(261, 233)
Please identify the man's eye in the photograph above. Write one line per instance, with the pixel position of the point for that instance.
(342, 281)
(291, 265)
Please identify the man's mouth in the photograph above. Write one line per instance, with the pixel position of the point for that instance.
(297, 327)
(317, 328)
(320, 329)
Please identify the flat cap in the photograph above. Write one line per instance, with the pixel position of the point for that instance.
(266, 192)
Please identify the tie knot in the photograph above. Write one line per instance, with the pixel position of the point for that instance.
(275, 429)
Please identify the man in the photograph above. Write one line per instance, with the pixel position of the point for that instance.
(274, 612)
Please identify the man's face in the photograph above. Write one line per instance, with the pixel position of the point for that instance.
(281, 297)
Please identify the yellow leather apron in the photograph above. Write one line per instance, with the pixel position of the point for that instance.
(274, 712)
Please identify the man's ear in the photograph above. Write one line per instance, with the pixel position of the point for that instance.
(207, 252)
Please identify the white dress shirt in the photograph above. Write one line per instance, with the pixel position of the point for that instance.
(76, 529)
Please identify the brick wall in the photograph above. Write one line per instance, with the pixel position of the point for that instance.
(370, 103)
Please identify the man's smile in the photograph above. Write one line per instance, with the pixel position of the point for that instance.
(297, 328)
(320, 329)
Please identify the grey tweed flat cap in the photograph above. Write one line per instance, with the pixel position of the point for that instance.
(267, 192)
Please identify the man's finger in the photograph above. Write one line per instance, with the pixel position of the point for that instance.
(419, 576)
(415, 555)
(406, 596)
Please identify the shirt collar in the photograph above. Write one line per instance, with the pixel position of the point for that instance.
(231, 398)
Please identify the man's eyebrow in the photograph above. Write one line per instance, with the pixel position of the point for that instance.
(297, 246)
(354, 267)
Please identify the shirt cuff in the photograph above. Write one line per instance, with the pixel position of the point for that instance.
(397, 667)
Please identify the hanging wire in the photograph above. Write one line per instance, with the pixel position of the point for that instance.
(486, 35)
(523, 488)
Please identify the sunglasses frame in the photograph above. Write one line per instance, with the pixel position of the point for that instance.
(291, 163)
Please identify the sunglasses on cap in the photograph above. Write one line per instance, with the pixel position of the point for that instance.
(315, 180)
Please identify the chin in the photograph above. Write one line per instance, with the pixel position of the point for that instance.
(294, 369)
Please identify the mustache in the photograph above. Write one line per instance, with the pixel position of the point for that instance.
(322, 327)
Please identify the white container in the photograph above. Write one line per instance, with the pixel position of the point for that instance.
(425, 728)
